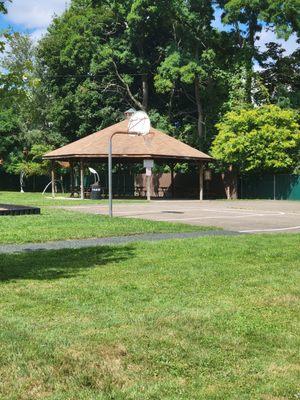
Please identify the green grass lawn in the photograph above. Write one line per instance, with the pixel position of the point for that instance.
(37, 199)
(56, 224)
(59, 224)
(210, 318)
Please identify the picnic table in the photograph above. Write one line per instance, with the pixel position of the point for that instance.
(140, 191)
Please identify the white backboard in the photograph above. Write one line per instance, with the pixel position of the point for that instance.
(139, 124)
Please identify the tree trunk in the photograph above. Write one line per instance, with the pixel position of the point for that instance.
(252, 28)
(171, 102)
(199, 108)
(145, 88)
(198, 101)
(230, 183)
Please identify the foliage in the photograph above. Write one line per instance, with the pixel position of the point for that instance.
(281, 76)
(31, 164)
(19, 94)
(264, 138)
(15, 89)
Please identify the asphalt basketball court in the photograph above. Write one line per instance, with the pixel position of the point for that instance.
(246, 216)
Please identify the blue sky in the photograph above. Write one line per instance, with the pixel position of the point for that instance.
(34, 16)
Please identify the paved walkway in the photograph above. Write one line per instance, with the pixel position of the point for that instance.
(82, 243)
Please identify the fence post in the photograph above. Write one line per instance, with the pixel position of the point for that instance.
(274, 187)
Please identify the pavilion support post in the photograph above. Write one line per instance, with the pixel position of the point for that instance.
(148, 187)
(201, 180)
(53, 178)
(172, 181)
(72, 178)
(81, 181)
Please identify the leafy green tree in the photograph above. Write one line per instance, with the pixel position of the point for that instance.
(19, 118)
(266, 138)
(80, 98)
(281, 76)
(195, 66)
(283, 15)
(248, 18)
(16, 82)
(30, 163)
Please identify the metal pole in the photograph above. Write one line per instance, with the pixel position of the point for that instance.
(110, 193)
(201, 181)
(52, 179)
(110, 175)
(274, 187)
(81, 181)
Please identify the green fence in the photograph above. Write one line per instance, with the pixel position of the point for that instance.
(276, 187)
(123, 183)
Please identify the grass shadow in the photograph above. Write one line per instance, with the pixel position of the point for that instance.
(47, 265)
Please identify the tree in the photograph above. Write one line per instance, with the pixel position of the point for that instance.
(81, 95)
(281, 76)
(15, 82)
(266, 138)
(190, 61)
(283, 15)
(19, 117)
(33, 164)
(248, 18)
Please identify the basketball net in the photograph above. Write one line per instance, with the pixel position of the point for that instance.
(148, 139)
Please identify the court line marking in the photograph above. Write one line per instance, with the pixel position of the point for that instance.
(244, 213)
(270, 229)
(202, 218)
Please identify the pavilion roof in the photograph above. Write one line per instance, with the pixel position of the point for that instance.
(156, 145)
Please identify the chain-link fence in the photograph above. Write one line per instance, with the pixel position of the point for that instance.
(276, 187)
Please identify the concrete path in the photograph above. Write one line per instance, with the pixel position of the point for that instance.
(244, 216)
(82, 243)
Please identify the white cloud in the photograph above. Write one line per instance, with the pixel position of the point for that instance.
(37, 34)
(268, 35)
(34, 14)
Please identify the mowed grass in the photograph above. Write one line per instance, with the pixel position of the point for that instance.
(38, 200)
(56, 224)
(209, 318)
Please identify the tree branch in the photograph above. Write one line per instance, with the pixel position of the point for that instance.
(136, 102)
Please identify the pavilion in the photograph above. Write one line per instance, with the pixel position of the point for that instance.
(156, 146)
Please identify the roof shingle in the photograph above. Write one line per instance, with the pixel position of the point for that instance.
(156, 145)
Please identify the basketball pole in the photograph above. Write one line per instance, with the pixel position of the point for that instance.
(110, 193)
(110, 152)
